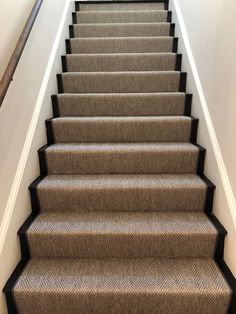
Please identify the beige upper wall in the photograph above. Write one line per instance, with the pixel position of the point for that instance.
(211, 30)
(13, 15)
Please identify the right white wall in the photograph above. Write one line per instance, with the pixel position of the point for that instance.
(207, 39)
(211, 30)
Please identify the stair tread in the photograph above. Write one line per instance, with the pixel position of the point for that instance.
(121, 11)
(122, 275)
(75, 223)
(119, 24)
(122, 54)
(122, 118)
(122, 147)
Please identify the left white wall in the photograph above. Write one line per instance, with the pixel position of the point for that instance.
(13, 15)
(22, 128)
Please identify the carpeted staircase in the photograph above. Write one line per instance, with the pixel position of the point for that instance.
(121, 219)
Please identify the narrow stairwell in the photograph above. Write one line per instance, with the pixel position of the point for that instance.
(121, 214)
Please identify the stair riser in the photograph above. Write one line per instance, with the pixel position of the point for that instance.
(121, 45)
(122, 246)
(101, 131)
(117, 63)
(121, 6)
(118, 82)
(121, 105)
(121, 30)
(121, 198)
(105, 162)
(121, 17)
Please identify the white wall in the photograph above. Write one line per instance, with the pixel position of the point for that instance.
(13, 15)
(212, 34)
(22, 125)
(207, 39)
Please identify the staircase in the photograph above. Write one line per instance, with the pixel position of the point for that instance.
(121, 214)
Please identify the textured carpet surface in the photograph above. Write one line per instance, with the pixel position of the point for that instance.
(121, 44)
(148, 16)
(122, 286)
(122, 234)
(121, 129)
(122, 192)
(120, 104)
(120, 225)
(121, 29)
(122, 158)
(121, 82)
(121, 62)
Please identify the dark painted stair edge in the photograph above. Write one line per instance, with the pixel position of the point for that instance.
(77, 3)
